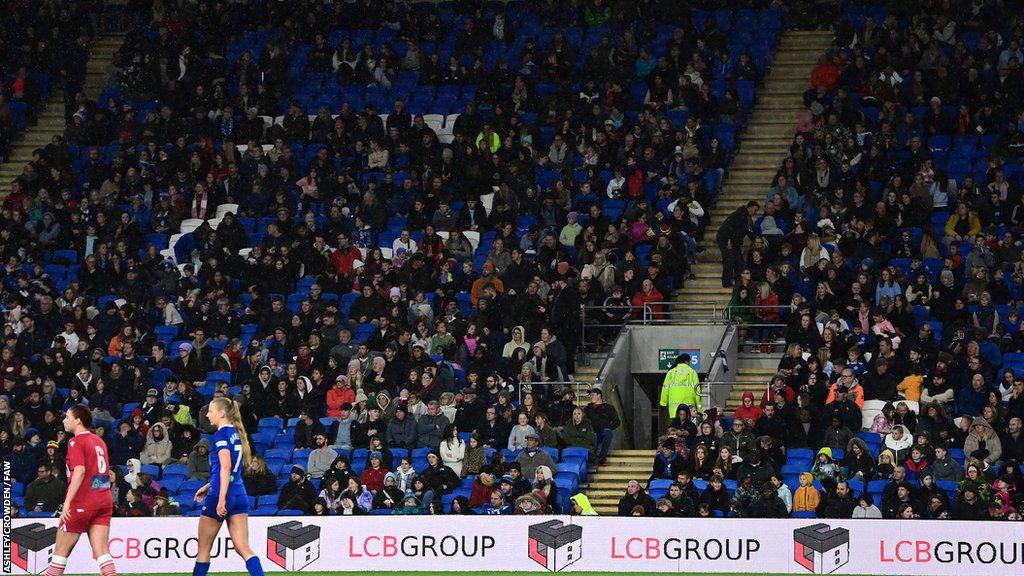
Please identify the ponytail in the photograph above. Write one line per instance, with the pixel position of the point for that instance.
(234, 415)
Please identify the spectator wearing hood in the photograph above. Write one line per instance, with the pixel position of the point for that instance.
(969, 503)
(748, 410)
(770, 504)
(340, 470)
(983, 443)
(858, 461)
(307, 428)
(401, 431)
(581, 505)
(806, 498)
(125, 444)
(389, 497)
(158, 446)
(899, 441)
(199, 461)
(439, 479)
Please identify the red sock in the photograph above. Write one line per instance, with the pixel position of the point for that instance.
(57, 566)
(106, 565)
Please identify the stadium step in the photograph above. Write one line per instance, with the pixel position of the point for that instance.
(750, 379)
(50, 121)
(608, 481)
(762, 147)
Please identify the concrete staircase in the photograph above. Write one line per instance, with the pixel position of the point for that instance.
(51, 120)
(753, 379)
(763, 146)
(608, 483)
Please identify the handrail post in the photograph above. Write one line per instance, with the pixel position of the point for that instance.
(583, 336)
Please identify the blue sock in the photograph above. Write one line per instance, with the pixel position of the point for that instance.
(253, 566)
(201, 569)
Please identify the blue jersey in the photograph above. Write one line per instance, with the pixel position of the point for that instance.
(226, 438)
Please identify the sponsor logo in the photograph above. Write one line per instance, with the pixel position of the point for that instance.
(554, 545)
(32, 547)
(820, 548)
(292, 545)
(960, 552)
(421, 546)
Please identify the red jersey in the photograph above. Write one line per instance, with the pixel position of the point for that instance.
(89, 450)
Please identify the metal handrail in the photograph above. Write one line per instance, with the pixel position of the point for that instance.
(562, 384)
(709, 384)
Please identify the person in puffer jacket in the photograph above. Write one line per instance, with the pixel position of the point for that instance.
(806, 498)
(899, 441)
(982, 442)
(158, 446)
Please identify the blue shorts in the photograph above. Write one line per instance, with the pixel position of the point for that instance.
(236, 504)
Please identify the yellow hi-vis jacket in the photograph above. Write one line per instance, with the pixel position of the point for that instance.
(681, 386)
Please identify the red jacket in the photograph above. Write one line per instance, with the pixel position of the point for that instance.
(635, 184)
(640, 299)
(481, 494)
(342, 259)
(373, 479)
(751, 414)
(338, 396)
(767, 310)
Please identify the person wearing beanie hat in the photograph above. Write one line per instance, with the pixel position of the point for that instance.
(667, 463)
(297, 493)
(164, 505)
(372, 477)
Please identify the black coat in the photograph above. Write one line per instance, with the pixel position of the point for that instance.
(834, 506)
(628, 502)
(441, 479)
(297, 496)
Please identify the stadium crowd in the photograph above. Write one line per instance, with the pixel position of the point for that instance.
(887, 257)
(375, 226)
(35, 59)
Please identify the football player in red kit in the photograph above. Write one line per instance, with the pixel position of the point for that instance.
(87, 504)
